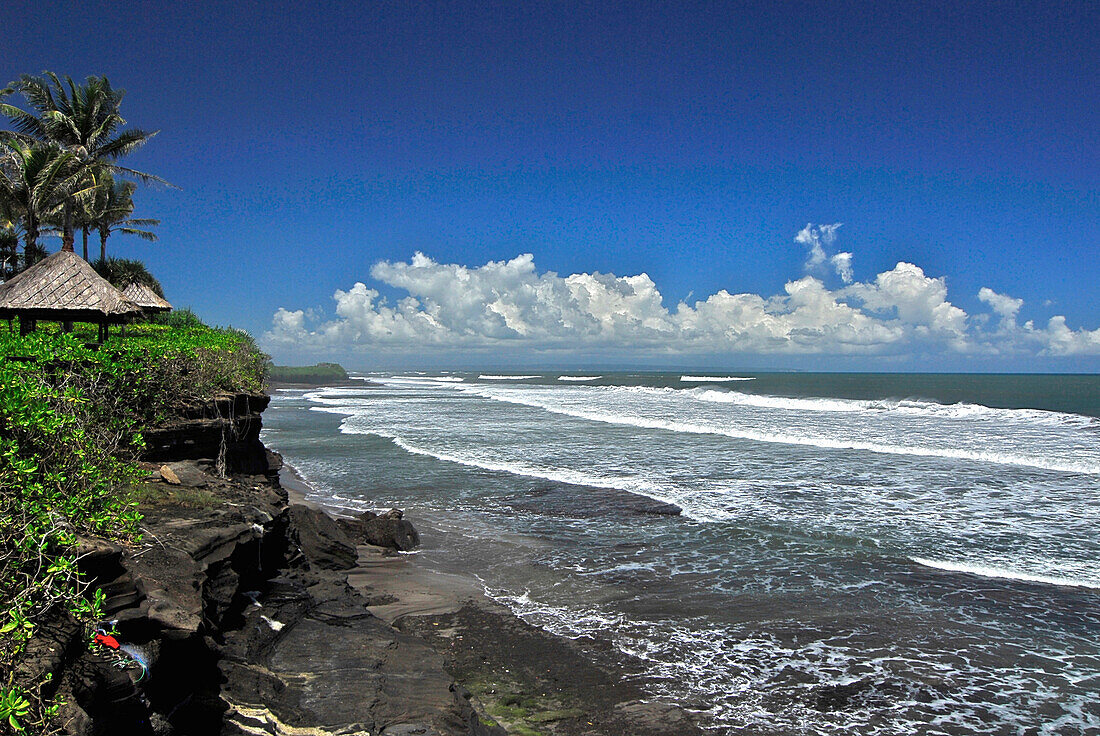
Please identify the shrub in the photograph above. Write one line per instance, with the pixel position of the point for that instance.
(177, 318)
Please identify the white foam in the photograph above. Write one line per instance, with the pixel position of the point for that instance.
(910, 407)
(834, 442)
(987, 571)
(558, 475)
(485, 377)
(766, 401)
(579, 378)
(421, 379)
(715, 379)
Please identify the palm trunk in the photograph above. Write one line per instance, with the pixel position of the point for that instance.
(30, 241)
(67, 238)
(85, 229)
(103, 245)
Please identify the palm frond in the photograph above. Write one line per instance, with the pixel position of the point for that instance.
(24, 122)
(143, 234)
(142, 176)
(125, 142)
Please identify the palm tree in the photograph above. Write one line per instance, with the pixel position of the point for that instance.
(35, 182)
(114, 205)
(83, 120)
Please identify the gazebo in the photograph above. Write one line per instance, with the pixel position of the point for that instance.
(146, 298)
(64, 288)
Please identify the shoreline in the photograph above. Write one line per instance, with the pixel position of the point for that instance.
(526, 679)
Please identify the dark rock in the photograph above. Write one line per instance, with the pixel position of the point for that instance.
(390, 530)
(226, 427)
(321, 540)
(312, 659)
(561, 499)
(655, 715)
(188, 473)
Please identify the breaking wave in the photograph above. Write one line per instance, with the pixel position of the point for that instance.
(595, 407)
(715, 379)
(988, 571)
(909, 407)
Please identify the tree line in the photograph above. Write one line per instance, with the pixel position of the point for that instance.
(60, 170)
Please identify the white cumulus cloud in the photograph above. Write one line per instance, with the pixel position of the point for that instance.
(511, 305)
(819, 238)
(1004, 306)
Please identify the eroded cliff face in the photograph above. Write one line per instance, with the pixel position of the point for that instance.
(234, 614)
(224, 430)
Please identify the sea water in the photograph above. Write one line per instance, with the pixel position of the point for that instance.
(873, 554)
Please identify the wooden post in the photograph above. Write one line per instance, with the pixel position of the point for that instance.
(103, 331)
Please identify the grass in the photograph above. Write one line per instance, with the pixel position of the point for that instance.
(71, 418)
(160, 494)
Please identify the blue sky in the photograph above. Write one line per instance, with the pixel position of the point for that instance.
(691, 142)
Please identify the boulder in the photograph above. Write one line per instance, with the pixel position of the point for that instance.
(169, 475)
(389, 530)
(322, 541)
(188, 473)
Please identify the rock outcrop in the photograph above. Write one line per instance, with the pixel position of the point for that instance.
(390, 530)
(235, 615)
(225, 429)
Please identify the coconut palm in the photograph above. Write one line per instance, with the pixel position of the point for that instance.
(113, 205)
(82, 119)
(35, 182)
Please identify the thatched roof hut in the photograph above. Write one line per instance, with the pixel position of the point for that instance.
(146, 298)
(63, 288)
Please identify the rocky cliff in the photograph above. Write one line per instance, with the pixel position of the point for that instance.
(234, 614)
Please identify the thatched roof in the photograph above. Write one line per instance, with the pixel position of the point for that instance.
(146, 298)
(64, 287)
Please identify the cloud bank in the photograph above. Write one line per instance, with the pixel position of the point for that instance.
(509, 305)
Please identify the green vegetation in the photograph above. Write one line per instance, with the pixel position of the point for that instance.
(70, 432)
(58, 166)
(158, 494)
(311, 374)
(519, 712)
(177, 318)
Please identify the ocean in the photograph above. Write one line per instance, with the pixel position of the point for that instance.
(856, 553)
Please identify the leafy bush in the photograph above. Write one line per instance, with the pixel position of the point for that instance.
(70, 433)
(177, 318)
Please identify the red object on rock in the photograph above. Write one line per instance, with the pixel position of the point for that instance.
(107, 640)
